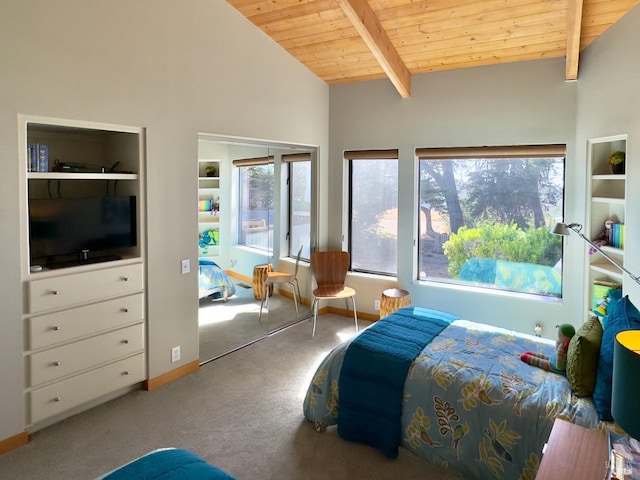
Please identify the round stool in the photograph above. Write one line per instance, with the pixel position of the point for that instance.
(259, 276)
(392, 300)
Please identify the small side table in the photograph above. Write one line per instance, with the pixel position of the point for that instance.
(574, 452)
(393, 299)
(260, 273)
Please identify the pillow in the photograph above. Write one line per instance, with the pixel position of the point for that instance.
(612, 298)
(622, 316)
(582, 358)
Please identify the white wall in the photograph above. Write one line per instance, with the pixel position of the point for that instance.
(523, 103)
(175, 68)
(609, 104)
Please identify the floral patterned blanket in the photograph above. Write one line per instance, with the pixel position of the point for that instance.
(469, 402)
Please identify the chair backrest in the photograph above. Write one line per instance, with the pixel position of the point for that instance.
(330, 268)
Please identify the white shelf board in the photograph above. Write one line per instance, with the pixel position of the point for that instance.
(80, 176)
(618, 201)
(608, 269)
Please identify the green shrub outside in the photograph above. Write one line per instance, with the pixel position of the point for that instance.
(502, 242)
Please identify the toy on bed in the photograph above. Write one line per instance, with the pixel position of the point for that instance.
(213, 281)
(557, 361)
(167, 463)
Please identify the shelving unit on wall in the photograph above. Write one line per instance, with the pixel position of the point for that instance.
(209, 208)
(84, 311)
(85, 160)
(607, 194)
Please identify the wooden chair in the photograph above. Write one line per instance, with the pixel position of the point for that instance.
(282, 278)
(330, 271)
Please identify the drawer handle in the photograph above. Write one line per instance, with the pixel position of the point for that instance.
(57, 399)
(55, 292)
(125, 279)
(124, 310)
(56, 328)
(125, 341)
(126, 372)
(56, 364)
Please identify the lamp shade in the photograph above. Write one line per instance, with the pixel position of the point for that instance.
(560, 229)
(625, 399)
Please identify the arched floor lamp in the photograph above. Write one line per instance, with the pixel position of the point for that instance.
(625, 398)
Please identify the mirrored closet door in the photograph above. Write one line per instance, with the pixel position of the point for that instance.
(255, 213)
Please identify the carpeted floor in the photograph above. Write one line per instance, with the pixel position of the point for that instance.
(241, 412)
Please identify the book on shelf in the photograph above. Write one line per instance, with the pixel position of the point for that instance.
(617, 235)
(624, 457)
(37, 157)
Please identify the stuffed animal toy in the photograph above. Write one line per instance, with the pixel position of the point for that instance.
(557, 363)
(604, 238)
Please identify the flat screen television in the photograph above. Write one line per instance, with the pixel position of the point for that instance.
(72, 231)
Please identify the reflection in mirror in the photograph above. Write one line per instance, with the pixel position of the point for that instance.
(253, 218)
(292, 235)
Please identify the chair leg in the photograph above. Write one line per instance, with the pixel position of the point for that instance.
(355, 315)
(295, 281)
(295, 300)
(314, 310)
(262, 302)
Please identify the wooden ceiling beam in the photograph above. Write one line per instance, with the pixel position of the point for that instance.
(574, 29)
(364, 20)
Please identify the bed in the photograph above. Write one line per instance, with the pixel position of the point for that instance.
(165, 464)
(466, 401)
(213, 281)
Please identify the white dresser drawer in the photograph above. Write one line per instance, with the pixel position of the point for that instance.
(53, 328)
(54, 399)
(68, 290)
(65, 360)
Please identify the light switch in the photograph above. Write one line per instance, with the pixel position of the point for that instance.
(186, 266)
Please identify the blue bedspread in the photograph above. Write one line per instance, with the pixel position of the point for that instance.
(168, 464)
(373, 373)
(213, 281)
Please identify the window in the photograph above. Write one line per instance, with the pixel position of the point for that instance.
(299, 204)
(485, 215)
(373, 211)
(256, 203)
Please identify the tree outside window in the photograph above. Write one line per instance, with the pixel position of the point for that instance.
(485, 217)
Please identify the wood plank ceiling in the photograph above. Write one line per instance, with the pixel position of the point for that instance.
(354, 40)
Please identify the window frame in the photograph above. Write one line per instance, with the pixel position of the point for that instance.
(354, 155)
(550, 151)
(291, 160)
(247, 163)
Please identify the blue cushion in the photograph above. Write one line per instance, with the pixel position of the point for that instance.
(170, 463)
(623, 315)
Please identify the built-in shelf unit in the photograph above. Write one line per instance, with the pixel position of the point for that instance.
(607, 202)
(209, 208)
(84, 311)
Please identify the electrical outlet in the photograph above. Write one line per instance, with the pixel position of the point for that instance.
(376, 305)
(186, 266)
(175, 354)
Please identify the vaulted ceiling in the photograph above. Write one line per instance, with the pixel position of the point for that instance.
(355, 40)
